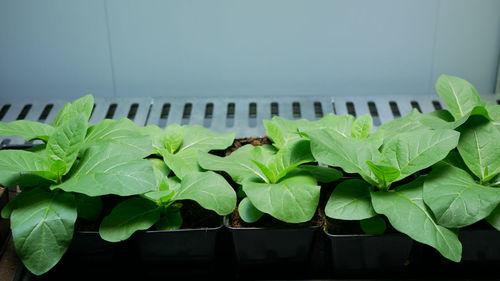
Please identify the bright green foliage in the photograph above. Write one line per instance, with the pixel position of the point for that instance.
(42, 227)
(293, 199)
(410, 145)
(180, 147)
(89, 162)
(407, 213)
(282, 131)
(274, 181)
(29, 130)
(459, 95)
(127, 217)
(479, 147)
(248, 212)
(361, 128)
(456, 199)
(350, 200)
(466, 190)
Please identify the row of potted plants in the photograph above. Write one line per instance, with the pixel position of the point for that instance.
(423, 175)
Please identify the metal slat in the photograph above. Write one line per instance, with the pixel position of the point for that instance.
(149, 110)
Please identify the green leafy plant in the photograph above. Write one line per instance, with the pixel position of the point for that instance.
(275, 181)
(400, 150)
(463, 189)
(179, 147)
(64, 177)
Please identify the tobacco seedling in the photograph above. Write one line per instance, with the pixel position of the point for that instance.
(179, 147)
(382, 159)
(63, 178)
(464, 188)
(275, 182)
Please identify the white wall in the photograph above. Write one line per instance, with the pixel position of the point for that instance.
(128, 48)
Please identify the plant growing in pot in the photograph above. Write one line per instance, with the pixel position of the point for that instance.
(65, 178)
(386, 165)
(276, 218)
(462, 191)
(182, 215)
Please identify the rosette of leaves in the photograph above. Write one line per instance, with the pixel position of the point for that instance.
(178, 177)
(274, 179)
(382, 160)
(464, 188)
(64, 177)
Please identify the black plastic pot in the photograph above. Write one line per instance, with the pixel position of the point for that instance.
(480, 255)
(285, 252)
(182, 253)
(372, 255)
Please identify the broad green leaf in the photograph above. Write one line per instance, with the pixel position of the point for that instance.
(322, 174)
(349, 154)
(494, 218)
(407, 213)
(350, 200)
(414, 151)
(63, 113)
(337, 125)
(208, 189)
(58, 167)
(156, 135)
(123, 132)
(203, 139)
(248, 212)
(88, 207)
(127, 217)
(171, 219)
(458, 95)
(289, 157)
(183, 162)
(411, 122)
(386, 174)
(456, 199)
(42, 226)
(480, 148)
(84, 104)
(70, 110)
(16, 164)
(239, 164)
(294, 199)
(282, 131)
(105, 169)
(29, 130)
(362, 126)
(173, 137)
(375, 225)
(65, 143)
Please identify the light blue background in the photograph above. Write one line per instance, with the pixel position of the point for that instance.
(125, 48)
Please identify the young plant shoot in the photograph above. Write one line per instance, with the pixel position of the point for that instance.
(275, 181)
(63, 178)
(382, 159)
(179, 146)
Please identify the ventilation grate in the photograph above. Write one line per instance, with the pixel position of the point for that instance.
(242, 115)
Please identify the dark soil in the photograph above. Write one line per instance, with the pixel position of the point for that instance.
(195, 216)
(243, 141)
